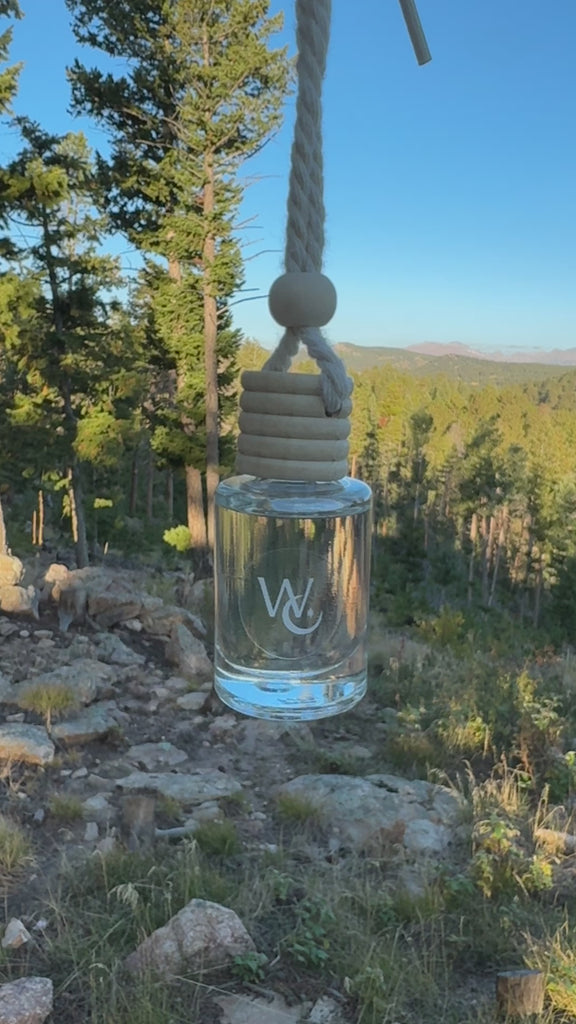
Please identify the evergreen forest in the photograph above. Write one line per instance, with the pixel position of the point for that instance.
(118, 397)
(119, 394)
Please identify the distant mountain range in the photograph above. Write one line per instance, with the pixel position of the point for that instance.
(461, 362)
(552, 357)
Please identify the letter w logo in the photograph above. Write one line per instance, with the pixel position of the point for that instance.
(292, 599)
(293, 607)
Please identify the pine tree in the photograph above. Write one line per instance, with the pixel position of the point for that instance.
(202, 93)
(68, 365)
(9, 75)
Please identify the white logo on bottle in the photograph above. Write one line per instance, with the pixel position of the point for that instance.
(295, 605)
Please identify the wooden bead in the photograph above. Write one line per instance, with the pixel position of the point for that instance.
(302, 300)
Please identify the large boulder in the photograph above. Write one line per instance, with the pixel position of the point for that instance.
(187, 789)
(95, 723)
(161, 620)
(28, 743)
(85, 680)
(383, 814)
(200, 936)
(26, 1001)
(16, 600)
(11, 570)
(189, 655)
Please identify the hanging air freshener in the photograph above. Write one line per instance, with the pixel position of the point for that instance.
(293, 532)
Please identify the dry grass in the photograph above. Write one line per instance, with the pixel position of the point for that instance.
(15, 847)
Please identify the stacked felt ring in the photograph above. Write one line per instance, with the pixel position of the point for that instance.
(285, 432)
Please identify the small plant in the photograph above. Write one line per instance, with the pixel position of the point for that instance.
(15, 850)
(50, 701)
(501, 867)
(250, 967)
(168, 810)
(178, 537)
(66, 807)
(218, 838)
(309, 943)
(298, 809)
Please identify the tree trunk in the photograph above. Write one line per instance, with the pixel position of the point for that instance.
(491, 541)
(210, 351)
(133, 502)
(150, 488)
(484, 547)
(4, 549)
(40, 538)
(195, 510)
(196, 517)
(473, 539)
(210, 323)
(538, 595)
(520, 993)
(78, 516)
(498, 555)
(170, 495)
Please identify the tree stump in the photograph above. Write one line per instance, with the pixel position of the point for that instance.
(520, 993)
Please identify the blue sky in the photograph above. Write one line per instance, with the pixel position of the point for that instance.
(450, 188)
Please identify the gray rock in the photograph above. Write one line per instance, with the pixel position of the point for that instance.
(189, 654)
(325, 1011)
(16, 934)
(93, 724)
(255, 1010)
(98, 809)
(210, 811)
(193, 701)
(156, 755)
(134, 625)
(112, 650)
(223, 727)
(91, 832)
(56, 573)
(71, 599)
(6, 689)
(200, 936)
(177, 684)
(19, 600)
(201, 597)
(106, 846)
(7, 628)
(26, 1001)
(28, 743)
(81, 647)
(85, 679)
(260, 736)
(190, 789)
(382, 812)
(11, 570)
(160, 621)
(110, 600)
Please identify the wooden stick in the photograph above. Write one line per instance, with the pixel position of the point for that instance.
(40, 537)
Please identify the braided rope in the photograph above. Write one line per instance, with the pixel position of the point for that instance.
(294, 426)
(306, 215)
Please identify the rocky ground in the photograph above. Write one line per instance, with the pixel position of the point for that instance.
(116, 714)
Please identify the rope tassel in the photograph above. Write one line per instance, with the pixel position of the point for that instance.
(303, 300)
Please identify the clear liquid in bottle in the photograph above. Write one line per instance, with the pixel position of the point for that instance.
(292, 565)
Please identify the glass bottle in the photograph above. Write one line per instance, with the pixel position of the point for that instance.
(292, 566)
